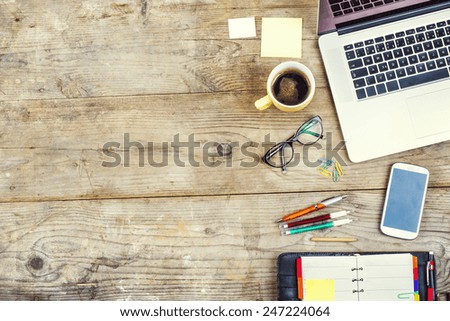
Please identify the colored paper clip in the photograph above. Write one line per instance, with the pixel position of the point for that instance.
(330, 168)
(406, 296)
(324, 172)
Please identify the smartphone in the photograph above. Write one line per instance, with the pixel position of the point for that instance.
(405, 198)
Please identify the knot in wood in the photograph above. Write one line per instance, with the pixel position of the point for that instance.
(224, 149)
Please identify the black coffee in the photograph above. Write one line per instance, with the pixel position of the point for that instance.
(290, 88)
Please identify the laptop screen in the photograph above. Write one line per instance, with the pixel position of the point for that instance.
(336, 13)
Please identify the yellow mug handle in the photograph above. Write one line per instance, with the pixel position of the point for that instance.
(263, 103)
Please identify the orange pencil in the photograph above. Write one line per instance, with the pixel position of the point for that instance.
(312, 208)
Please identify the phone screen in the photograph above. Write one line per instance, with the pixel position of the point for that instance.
(404, 204)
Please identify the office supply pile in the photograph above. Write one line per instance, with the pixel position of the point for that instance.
(330, 168)
(293, 224)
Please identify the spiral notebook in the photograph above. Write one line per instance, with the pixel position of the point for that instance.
(351, 276)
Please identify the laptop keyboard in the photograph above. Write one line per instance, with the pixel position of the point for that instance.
(342, 7)
(400, 60)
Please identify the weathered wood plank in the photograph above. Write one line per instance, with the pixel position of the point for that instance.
(196, 248)
(56, 149)
(59, 49)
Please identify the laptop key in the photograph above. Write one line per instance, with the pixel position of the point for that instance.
(334, 1)
(418, 48)
(421, 68)
(379, 3)
(361, 94)
(400, 34)
(370, 50)
(403, 62)
(410, 70)
(420, 29)
(438, 43)
(360, 52)
(381, 89)
(392, 85)
(357, 63)
(431, 26)
(400, 42)
(389, 37)
(440, 63)
(373, 69)
(350, 55)
(408, 50)
(440, 32)
(393, 64)
(335, 7)
(348, 47)
(423, 78)
(380, 47)
(428, 45)
(337, 13)
(377, 58)
(413, 59)
(431, 65)
(347, 11)
(441, 24)
(398, 53)
(383, 67)
(430, 35)
(400, 72)
(390, 45)
(380, 78)
(358, 9)
(359, 44)
(368, 61)
(410, 40)
(447, 41)
(423, 56)
(370, 80)
(371, 91)
(433, 54)
(379, 39)
(420, 37)
(358, 83)
(443, 52)
(358, 73)
(390, 75)
(388, 55)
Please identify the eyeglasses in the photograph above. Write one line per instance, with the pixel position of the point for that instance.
(281, 154)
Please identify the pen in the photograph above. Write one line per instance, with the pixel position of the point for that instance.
(313, 208)
(316, 227)
(314, 219)
(430, 278)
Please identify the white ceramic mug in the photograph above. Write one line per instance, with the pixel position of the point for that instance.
(280, 70)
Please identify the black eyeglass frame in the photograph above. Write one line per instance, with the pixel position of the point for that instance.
(280, 147)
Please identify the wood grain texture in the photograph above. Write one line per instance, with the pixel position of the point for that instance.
(60, 145)
(75, 75)
(195, 248)
(55, 49)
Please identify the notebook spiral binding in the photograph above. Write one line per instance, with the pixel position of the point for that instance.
(355, 269)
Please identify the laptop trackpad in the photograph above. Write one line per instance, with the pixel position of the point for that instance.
(430, 113)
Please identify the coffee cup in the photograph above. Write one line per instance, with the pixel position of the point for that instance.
(290, 87)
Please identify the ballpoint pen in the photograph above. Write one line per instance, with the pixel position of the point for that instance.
(314, 219)
(316, 227)
(313, 208)
(430, 278)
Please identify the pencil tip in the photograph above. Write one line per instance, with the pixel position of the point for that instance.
(344, 197)
(279, 220)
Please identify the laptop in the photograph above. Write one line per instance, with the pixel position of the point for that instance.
(388, 66)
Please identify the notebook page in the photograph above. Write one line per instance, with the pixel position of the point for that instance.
(386, 277)
(330, 274)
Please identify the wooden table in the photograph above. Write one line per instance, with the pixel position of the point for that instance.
(76, 75)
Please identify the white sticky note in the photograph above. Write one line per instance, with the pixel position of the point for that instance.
(242, 28)
(281, 37)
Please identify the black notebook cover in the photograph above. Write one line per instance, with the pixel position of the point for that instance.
(287, 277)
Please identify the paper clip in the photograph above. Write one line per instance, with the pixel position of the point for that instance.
(324, 172)
(405, 296)
(338, 168)
(330, 168)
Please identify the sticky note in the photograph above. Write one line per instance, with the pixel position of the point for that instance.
(319, 290)
(242, 28)
(281, 37)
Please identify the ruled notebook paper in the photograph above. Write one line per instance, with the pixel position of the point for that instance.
(360, 277)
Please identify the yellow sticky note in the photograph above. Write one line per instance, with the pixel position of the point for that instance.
(281, 37)
(319, 290)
